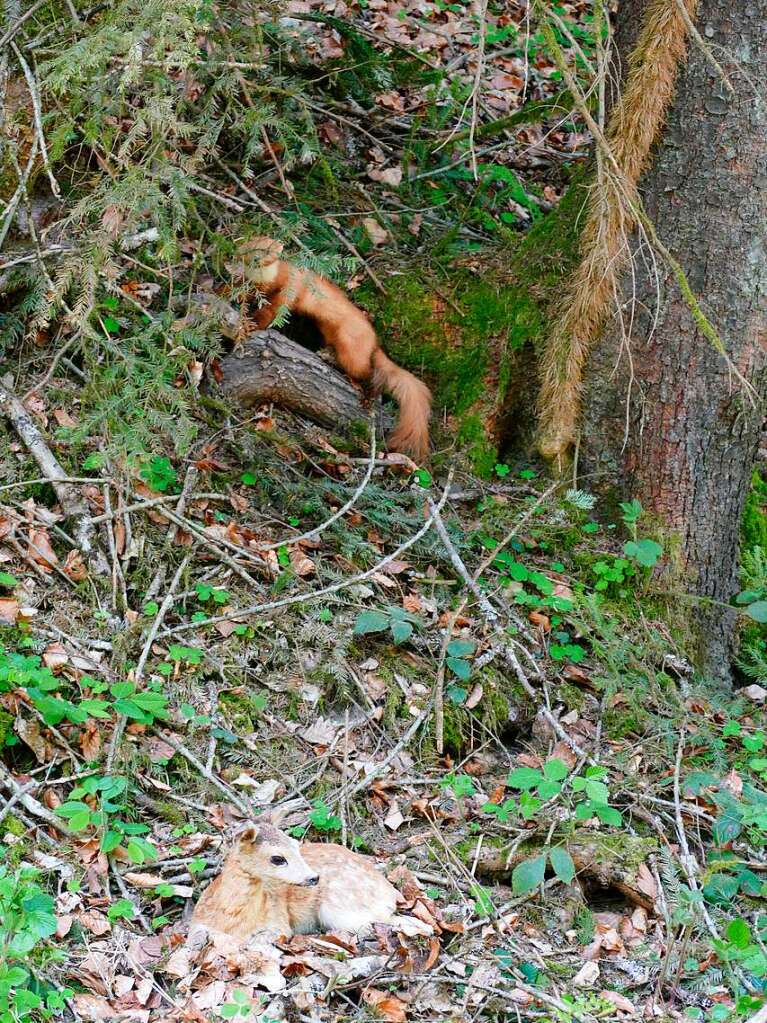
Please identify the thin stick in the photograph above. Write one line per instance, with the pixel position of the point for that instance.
(230, 794)
(59, 479)
(35, 97)
(29, 802)
(256, 609)
(73, 504)
(201, 539)
(311, 534)
(11, 32)
(139, 505)
(703, 46)
(139, 672)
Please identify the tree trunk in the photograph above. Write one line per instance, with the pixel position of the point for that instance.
(662, 409)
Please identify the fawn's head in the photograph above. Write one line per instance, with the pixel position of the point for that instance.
(272, 857)
(256, 260)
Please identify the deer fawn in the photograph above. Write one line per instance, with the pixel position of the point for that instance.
(270, 883)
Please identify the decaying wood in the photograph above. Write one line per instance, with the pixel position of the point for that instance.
(607, 864)
(269, 367)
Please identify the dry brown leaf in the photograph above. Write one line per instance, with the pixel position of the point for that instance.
(63, 418)
(383, 580)
(9, 610)
(540, 620)
(387, 176)
(225, 629)
(621, 1003)
(36, 405)
(93, 1007)
(394, 818)
(377, 234)
(385, 1004)
(40, 550)
(119, 534)
(93, 921)
(158, 751)
(733, 782)
(475, 695)
(645, 882)
(90, 740)
(29, 732)
(55, 656)
(587, 975)
(75, 567)
(320, 733)
(302, 565)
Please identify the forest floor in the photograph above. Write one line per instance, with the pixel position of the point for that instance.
(476, 681)
(589, 842)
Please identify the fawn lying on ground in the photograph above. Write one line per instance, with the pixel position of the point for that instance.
(271, 883)
(344, 328)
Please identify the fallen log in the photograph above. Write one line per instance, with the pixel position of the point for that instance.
(602, 860)
(269, 367)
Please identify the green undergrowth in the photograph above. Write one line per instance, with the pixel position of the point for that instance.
(471, 348)
(752, 659)
(573, 589)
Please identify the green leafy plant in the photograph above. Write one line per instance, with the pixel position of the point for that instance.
(396, 620)
(596, 797)
(206, 592)
(107, 799)
(240, 1005)
(158, 473)
(645, 552)
(458, 652)
(323, 819)
(530, 873)
(27, 918)
(460, 785)
(632, 513)
(567, 652)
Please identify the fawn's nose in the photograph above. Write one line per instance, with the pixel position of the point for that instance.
(311, 882)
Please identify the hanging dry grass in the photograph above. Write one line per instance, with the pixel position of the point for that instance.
(632, 128)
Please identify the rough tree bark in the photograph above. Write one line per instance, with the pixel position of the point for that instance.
(270, 367)
(662, 410)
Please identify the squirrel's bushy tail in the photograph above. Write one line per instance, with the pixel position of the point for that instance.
(411, 434)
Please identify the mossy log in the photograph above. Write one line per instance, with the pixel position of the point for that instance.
(607, 861)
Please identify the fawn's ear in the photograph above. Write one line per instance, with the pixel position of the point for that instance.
(249, 834)
(277, 815)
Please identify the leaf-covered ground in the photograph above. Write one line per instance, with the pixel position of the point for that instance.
(589, 843)
(483, 684)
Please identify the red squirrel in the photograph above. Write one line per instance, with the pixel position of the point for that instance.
(270, 884)
(344, 328)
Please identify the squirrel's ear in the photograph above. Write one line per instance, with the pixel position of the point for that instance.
(261, 250)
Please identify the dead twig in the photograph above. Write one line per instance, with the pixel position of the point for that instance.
(34, 93)
(73, 504)
(139, 670)
(302, 598)
(28, 801)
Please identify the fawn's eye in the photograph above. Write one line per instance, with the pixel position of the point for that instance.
(279, 861)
